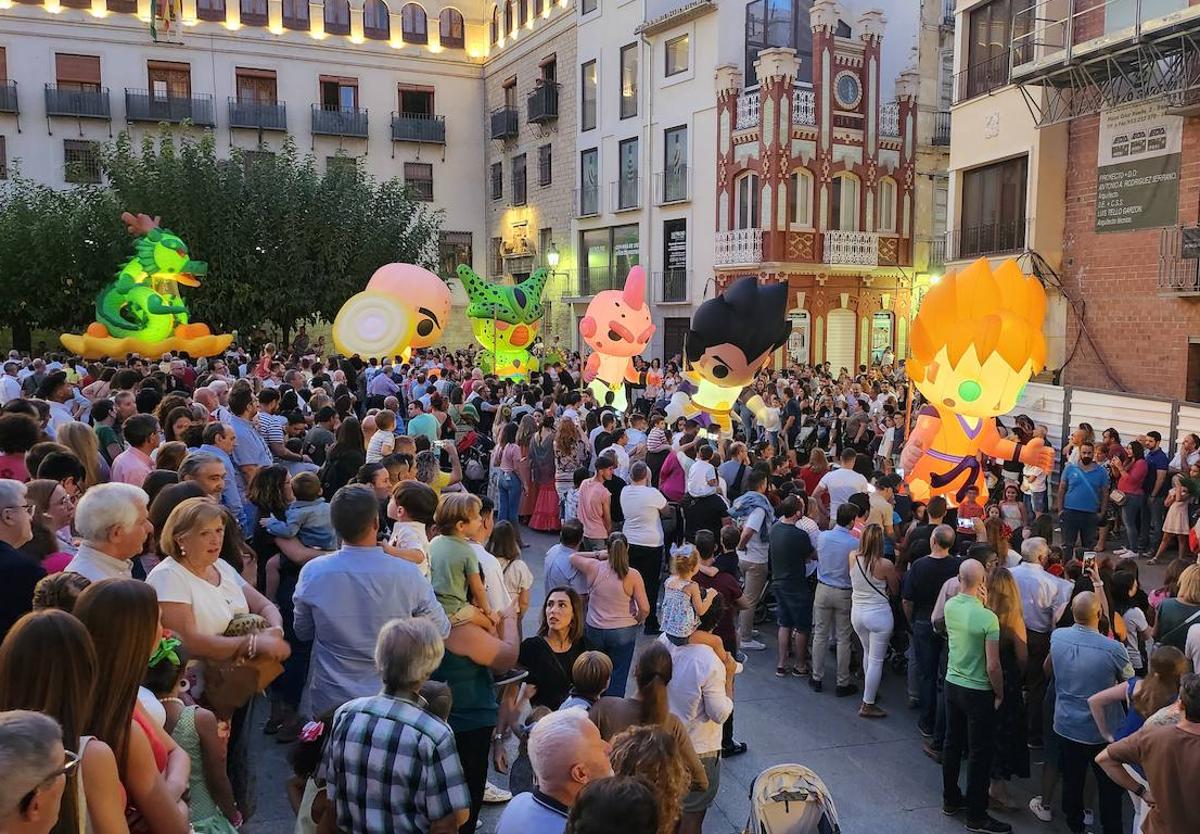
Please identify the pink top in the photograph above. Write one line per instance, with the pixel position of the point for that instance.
(1131, 482)
(510, 457)
(56, 562)
(593, 497)
(131, 467)
(672, 481)
(608, 604)
(12, 466)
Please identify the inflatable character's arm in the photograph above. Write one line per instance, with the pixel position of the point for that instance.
(632, 374)
(591, 368)
(155, 305)
(1034, 452)
(128, 278)
(921, 439)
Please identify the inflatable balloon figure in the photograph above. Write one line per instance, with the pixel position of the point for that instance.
(976, 341)
(731, 338)
(403, 307)
(141, 311)
(617, 327)
(505, 320)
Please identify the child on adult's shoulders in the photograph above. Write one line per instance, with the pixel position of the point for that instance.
(454, 566)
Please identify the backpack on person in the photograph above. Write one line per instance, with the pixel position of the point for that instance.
(790, 799)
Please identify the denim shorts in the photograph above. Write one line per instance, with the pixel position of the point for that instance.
(793, 605)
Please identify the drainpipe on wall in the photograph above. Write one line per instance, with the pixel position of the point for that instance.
(646, 68)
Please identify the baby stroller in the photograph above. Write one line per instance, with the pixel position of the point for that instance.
(790, 799)
(474, 453)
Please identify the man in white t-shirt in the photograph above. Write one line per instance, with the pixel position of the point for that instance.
(841, 483)
(752, 551)
(644, 508)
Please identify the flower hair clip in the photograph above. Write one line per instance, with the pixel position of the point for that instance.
(165, 650)
(312, 731)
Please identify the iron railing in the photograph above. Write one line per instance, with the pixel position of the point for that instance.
(8, 97)
(889, 119)
(672, 185)
(418, 127)
(257, 115)
(804, 106)
(146, 106)
(937, 252)
(587, 201)
(948, 13)
(84, 104)
(851, 248)
(941, 127)
(339, 121)
(542, 104)
(747, 110)
(989, 239)
(671, 286)
(738, 247)
(1177, 269)
(980, 79)
(505, 123)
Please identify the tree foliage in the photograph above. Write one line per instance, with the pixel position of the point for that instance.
(284, 244)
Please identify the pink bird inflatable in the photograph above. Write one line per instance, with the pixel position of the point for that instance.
(617, 327)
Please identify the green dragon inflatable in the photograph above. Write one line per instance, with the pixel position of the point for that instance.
(142, 310)
(505, 320)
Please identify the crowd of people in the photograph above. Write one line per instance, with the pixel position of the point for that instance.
(178, 536)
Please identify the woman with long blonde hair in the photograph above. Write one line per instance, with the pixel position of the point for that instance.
(652, 754)
(874, 582)
(1011, 760)
(82, 440)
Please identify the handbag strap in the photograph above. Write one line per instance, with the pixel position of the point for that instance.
(1162, 637)
(863, 571)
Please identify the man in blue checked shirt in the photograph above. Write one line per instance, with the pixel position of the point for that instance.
(391, 765)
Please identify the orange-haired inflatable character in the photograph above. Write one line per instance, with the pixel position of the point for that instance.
(976, 341)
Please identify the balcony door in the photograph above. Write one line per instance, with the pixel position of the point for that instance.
(169, 80)
(993, 208)
(746, 191)
(256, 86)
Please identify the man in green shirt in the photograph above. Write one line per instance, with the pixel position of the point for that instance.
(974, 690)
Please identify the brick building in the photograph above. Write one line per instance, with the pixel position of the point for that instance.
(815, 186)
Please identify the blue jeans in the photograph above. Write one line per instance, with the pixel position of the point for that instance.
(1131, 514)
(1078, 525)
(618, 644)
(510, 497)
(928, 648)
(1037, 503)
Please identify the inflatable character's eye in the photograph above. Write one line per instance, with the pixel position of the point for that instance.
(720, 371)
(969, 390)
(425, 328)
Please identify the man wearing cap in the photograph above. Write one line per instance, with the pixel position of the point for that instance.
(55, 391)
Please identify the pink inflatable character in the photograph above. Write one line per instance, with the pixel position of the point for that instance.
(617, 327)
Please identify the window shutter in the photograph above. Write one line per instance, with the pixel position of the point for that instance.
(77, 69)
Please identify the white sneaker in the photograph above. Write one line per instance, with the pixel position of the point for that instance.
(738, 668)
(1039, 810)
(1088, 818)
(1123, 551)
(752, 646)
(495, 795)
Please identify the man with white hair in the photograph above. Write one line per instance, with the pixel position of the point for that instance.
(390, 764)
(206, 399)
(10, 385)
(566, 752)
(18, 573)
(114, 523)
(1044, 598)
(36, 767)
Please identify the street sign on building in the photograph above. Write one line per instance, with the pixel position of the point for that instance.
(1137, 167)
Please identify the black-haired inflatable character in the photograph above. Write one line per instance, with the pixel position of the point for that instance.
(731, 338)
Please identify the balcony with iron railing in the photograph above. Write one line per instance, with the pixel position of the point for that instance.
(418, 127)
(505, 123)
(981, 78)
(8, 97)
(948, 13)
(937, 253)
(851, 248)
(1179, 262)
(626, 194)
(672, 186)
(586, 281)
(941, 128)
(83, 104)
(339, 121)
(587, 201)
(257, 115)
(670, 286)
(147, 106)
(747, 110)
(804, 111)
(739, 247)
(804, 106)
(542, 104)
(988, 239)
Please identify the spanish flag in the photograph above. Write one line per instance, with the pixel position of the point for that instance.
(166, 11)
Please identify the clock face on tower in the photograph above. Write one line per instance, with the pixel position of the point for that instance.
(848, 90)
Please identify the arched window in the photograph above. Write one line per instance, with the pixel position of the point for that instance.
(254, 12)
(495, 24)
(887, 204)
(843, 207)
(799, 199)
(337, 17)
(295, 15)
(450, 28)
(746, 191)
(413, 26)
(508, 18)
(377, 25)
(522, 12)
(537, 7)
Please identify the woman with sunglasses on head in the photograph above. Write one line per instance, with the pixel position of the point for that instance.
(54, 511)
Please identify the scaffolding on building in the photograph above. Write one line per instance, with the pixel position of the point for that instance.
(1073, 58)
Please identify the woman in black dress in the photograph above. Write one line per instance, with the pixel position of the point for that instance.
(1011, 760)
(345, 457)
